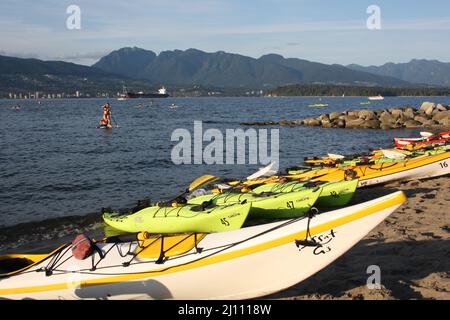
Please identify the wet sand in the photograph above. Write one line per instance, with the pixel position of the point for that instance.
(411, 247)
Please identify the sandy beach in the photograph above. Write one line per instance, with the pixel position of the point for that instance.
(411, 247)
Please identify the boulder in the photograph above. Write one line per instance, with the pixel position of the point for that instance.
(429, 111)
(386, 117)
(285, 123)
(366, 114)
(324, 117)
(312, 122)
(421, 118)
(409, 113)
(441, 115)
(427, 106)
(396, 113)
(412, 124)
(402, 119)
(371, 124)
(430, 123)
(340, 123)
(386, 126)
(335, 115)
(445, 122)
(378, 112)
(389, 126)
(327, 124)
(441, 107)
(354, 123)
(353, 114)
(351, 118)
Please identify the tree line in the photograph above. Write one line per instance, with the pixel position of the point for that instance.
(339, 90)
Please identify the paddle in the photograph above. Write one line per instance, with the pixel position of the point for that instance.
(266, 171)
(333, 156)
(117, 125)
(197, 183)
(425, 134)
(393, 154)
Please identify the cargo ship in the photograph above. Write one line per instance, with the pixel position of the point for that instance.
(162, 93)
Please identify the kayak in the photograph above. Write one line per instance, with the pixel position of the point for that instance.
(416, 165)
(439, 138)
(269, 206)
(377, 156)
(421, 167)
(241, 264)
(319, 105)
(333, 193)
(186, 218)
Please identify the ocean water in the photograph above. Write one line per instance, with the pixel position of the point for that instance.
(55, 163)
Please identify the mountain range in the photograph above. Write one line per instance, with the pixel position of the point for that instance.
(431, 72)
(222, 69)
(145, 70)
(30, 75)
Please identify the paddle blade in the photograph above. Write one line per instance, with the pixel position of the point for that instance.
(266, 171)
(335, 156)
(425, 134)
(393, 154)
(201, 181)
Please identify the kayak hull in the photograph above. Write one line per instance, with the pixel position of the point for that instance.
(333, 193)
(441, 137)
(240, 264)
(417, 168)
(277, 206)
(183, 219)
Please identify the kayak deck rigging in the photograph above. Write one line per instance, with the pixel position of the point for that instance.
(145, 248)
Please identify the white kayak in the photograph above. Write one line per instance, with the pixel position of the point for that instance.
(240, 264)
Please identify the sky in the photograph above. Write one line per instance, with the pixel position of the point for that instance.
(317, 30)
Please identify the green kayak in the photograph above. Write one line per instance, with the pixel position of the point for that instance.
(333, 193)
(186, 218)
(268, 205)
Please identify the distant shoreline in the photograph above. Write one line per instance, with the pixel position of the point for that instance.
(216, 97)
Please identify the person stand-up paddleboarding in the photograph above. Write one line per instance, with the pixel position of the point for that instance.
(106, 122)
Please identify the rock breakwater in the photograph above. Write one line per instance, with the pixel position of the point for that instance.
(429, 115)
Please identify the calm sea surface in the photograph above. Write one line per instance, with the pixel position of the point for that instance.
(54, 162)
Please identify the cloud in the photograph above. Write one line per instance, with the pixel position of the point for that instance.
(19, 54)
(82, 56)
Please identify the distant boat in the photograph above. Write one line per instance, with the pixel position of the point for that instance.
(319, 105)
(378, 97)
(162, 93)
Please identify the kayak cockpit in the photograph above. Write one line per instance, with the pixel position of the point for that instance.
(11, 264)
(14, 263)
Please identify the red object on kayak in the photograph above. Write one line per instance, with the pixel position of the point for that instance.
(441, 137)
(82, 247)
